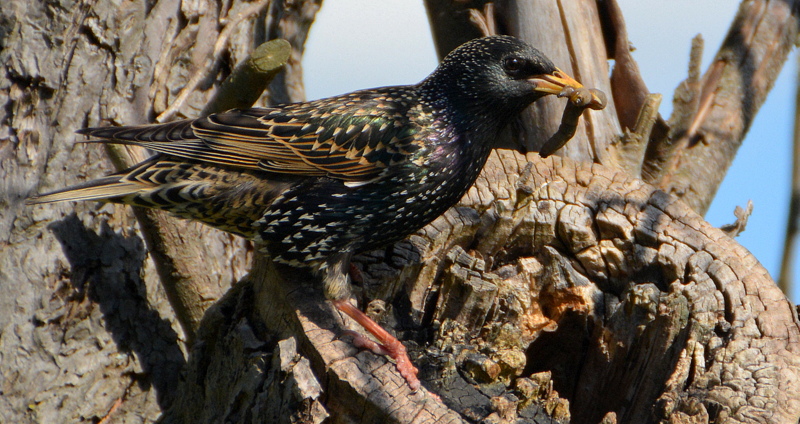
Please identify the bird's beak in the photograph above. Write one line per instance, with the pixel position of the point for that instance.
(563, 85)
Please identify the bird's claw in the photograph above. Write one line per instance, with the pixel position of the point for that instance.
(361, 342)
(395, 350)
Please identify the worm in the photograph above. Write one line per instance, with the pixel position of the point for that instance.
(579, 100)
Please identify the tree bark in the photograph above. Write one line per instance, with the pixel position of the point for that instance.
(86, 325)
(558, 290)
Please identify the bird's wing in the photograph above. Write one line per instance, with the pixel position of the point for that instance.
(352, 137)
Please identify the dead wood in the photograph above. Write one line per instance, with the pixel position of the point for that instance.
(556, 291)
(595, 293)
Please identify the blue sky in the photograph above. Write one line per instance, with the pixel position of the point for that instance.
(358, 44)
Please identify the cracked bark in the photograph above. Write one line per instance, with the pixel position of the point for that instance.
(556, 291)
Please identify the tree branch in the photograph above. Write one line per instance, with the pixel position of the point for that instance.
(710, 120)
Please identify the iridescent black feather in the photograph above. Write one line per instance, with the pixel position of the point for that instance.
(314, 183)
(328, 178)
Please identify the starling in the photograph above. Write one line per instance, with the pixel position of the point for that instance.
(315, 183)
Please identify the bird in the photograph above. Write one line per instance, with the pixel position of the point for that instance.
(314, 183)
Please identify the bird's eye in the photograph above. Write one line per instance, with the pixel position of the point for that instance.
(513, 64)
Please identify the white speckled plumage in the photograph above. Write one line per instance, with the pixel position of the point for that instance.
(316, 182)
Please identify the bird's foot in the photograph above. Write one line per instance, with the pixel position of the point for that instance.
(394, 350)
(364, 343)
(387, 344)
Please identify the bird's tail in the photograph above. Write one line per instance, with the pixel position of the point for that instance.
(161, 133)
(112, 186)
(118, 185)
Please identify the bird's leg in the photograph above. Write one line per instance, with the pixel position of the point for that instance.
(387, 344)
(355, 274)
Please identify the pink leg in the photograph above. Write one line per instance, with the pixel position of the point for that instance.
(387, 344)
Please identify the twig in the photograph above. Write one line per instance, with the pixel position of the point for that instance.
(786, 280)
(720, 109)
(708, 93)
(210, 65)
(246, 83)
(484, 19)
(633, 144)
(742, 216)
(188, 291)
(111, 411)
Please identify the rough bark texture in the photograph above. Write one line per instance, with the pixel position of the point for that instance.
(713, 113)
(556, 291)
(85, 323)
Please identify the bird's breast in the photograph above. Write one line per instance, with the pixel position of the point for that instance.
(313, 221)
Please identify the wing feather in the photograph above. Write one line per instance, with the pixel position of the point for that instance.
(352, 137)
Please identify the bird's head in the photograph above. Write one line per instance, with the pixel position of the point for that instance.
(497, 76)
